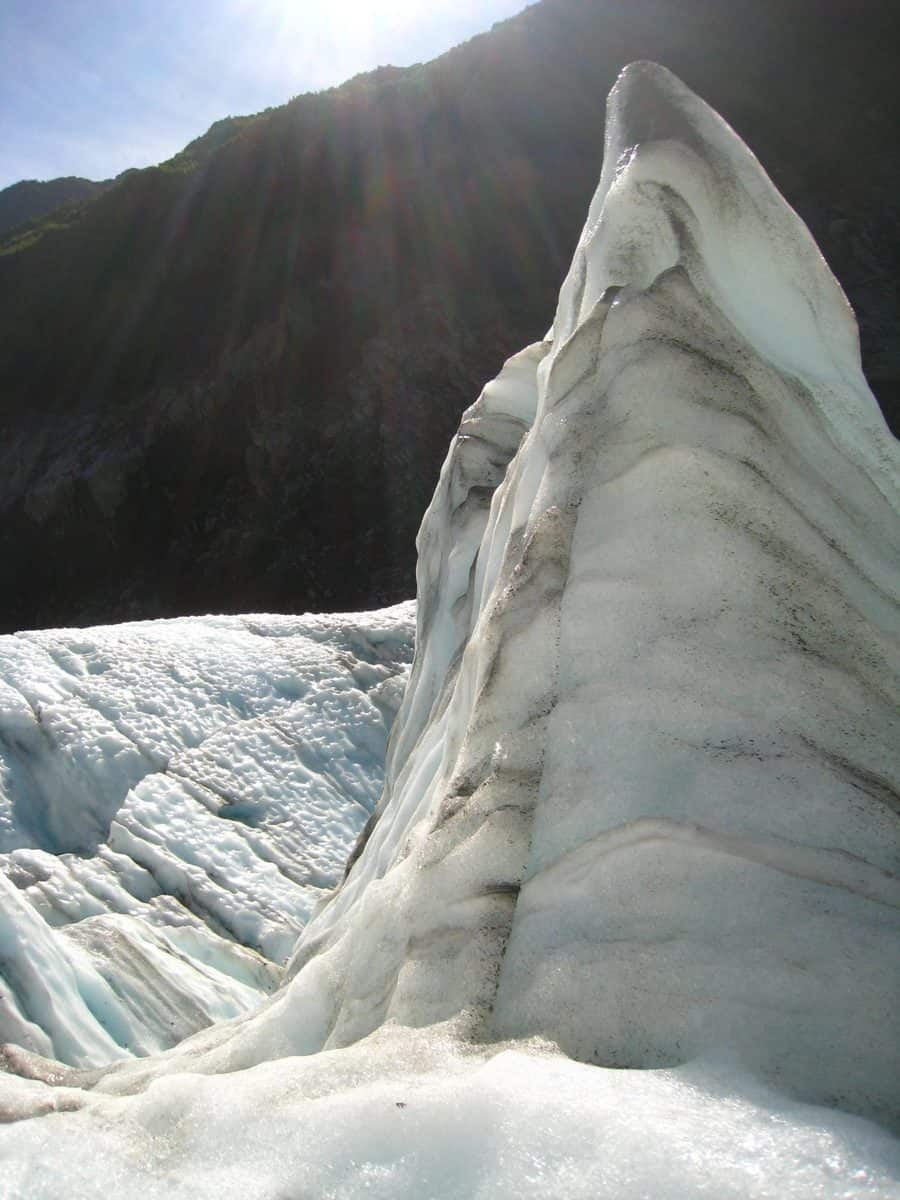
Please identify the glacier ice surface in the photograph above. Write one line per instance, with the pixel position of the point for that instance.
(410, 1114)
(175, 799)
(626, 920)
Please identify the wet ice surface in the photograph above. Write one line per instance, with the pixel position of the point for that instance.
(411, 1114)
(175, 798)
(627, 922)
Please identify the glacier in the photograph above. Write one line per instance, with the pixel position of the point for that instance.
(176, 797)
(624, 920)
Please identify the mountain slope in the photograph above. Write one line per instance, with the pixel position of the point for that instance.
(232, 381)
(30, 198)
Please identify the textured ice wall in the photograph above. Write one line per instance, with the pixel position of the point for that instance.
(642, 792)
(175, 799)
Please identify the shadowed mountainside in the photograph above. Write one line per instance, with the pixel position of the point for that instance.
(228, 383)
(31, 199)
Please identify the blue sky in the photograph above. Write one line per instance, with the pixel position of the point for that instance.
(90, 87)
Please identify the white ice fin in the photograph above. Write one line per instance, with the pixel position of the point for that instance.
(642, 791)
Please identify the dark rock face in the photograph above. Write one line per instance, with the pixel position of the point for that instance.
(230, 384)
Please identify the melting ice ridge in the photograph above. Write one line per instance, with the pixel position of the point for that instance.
(626, 921)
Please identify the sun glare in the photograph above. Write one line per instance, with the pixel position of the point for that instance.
(352, 20)
(309, 51)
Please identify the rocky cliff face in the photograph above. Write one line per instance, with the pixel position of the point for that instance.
(230, 382)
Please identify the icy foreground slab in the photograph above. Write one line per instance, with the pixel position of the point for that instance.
(175, 798)
(640, 803)
(406, 1114)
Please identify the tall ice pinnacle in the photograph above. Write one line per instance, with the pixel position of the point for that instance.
(642, 792)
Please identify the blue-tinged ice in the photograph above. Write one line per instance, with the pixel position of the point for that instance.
(175, 799)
